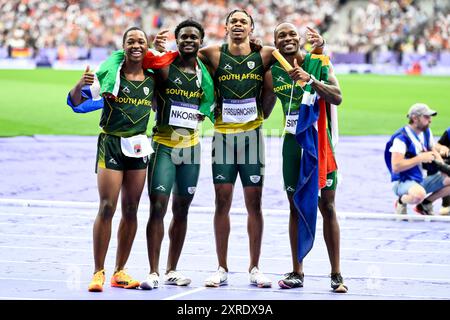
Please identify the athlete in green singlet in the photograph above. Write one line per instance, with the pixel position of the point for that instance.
(122, 157)
(281, 84)
(238, 146)
(176, 161)
(238, 143)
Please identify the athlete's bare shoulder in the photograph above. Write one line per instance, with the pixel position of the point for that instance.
(266, 56)
(210, 55)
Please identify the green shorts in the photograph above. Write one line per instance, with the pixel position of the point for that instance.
(241, 153)
(331, 181)
(174, 167)
(292, 154)
(110, 155)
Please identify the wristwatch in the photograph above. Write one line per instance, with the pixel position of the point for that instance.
(311, 79)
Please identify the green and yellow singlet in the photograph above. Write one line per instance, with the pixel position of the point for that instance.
(178, 100)
(128, 114)
(282, 87)
(238, 82)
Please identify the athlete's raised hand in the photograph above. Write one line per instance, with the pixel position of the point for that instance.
(256, 44)
(314, 38)
(87, 79)
(160, 41)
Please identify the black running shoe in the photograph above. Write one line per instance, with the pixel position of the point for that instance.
(424, 209)
(291, 280)
(337, 283)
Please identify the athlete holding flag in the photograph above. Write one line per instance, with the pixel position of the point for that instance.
(122, 154)
(287, 86)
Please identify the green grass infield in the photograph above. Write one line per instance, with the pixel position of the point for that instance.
(34, 102)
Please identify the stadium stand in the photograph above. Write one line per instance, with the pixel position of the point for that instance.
(402, 33)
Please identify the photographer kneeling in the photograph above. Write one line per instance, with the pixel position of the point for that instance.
(415, 164)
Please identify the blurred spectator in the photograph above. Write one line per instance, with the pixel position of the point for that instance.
(16, 45)
(403, 26)
(66, 24)
(266, 14)
(373, 27)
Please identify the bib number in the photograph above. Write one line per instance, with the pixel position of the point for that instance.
(239, 110)
(183, 115)
(291, 122)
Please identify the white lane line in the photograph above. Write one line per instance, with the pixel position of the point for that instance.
(193, 221)
(46, 248)
(57, 263)
(197, 270)
(45, 280)
(378, 262)
(39, 236)
(23, 298)
(94, 205)
(44, 225)
(176, 296)
(34, 225)
(188, 242)
(310, 275)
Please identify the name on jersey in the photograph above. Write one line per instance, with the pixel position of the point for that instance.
(239, 77)
(184, 93)
(133, 101)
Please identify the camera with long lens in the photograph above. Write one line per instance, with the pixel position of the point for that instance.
(446, 159)
(435, 166)
(443, 167)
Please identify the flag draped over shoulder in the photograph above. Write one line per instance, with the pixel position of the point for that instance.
(108, 75)
(207, 84)
(317, 158)
(107, 78)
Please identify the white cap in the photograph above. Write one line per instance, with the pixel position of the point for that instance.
(420, 109)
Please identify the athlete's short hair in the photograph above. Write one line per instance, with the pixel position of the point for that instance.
(190, 23)
(276, 28)
(252, 23)
(132, 29)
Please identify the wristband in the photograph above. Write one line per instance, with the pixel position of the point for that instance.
(322, 45)
(311, 79)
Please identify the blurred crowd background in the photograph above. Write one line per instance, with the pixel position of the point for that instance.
(375, 31)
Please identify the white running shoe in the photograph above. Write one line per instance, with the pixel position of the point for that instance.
(176, 278)
(258, 278)
(400, 209)
(219, 278)
(445, 211)
(152, 282)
